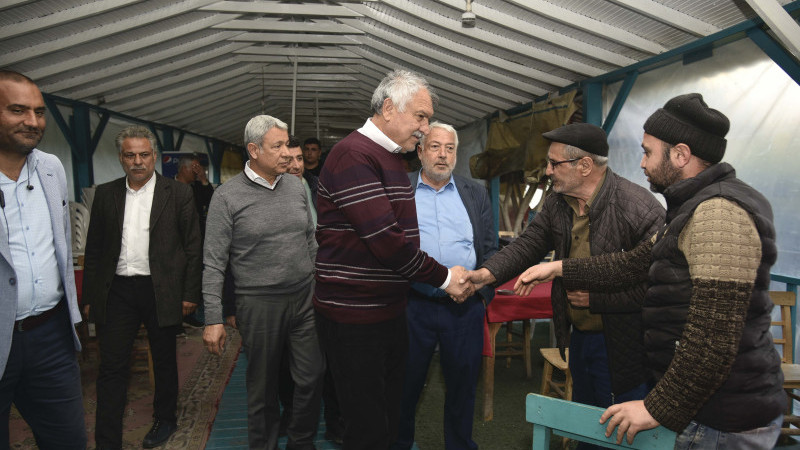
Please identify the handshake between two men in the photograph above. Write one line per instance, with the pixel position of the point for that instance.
(465, 282)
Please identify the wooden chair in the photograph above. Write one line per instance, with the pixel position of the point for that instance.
(552, 359)
(785, 300)
(581, 422)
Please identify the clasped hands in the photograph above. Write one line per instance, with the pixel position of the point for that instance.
(460, 287)
(468, 281)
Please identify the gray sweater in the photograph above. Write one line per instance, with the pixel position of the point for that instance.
(266, 235)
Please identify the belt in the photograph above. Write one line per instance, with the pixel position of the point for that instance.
(31, 322)
(443, 300)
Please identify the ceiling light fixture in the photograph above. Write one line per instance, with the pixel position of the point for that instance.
(468, 17)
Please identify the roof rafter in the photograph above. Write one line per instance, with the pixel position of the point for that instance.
(497, 40)
(544, 34)
(60, 17)
(268, 24)
(300, 38)
(593, 26)
(670, 16)
(128, 47)
(272, 7)
(64, 42)
(461, 49)
(435, 68)
(183, 88)
(162, 68)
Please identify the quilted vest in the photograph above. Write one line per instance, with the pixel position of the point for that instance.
(752, 395)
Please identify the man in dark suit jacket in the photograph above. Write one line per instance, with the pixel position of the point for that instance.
(143, 265)
(456, 228)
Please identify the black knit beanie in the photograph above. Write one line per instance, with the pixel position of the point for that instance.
(687, 119)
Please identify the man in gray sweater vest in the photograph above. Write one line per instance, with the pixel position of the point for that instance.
(260, 223)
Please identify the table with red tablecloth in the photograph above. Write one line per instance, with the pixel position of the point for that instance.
(507, 308)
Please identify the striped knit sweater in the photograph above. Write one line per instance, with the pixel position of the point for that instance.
(368, 235)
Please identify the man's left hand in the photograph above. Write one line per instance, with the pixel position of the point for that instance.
(628, 418)
(578, 299)
(188, 308)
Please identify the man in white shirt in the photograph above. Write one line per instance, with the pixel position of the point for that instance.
(39, 373)
(143, 265)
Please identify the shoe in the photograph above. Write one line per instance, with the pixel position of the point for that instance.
(334, 436)
(193, 322)
(284, 425)
(159, 434)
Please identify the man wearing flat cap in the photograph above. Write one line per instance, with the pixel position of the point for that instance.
(717, 375)
(592, 211)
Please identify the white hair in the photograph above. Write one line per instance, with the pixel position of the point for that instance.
(443, 126)
(258, 126)
(400, 86)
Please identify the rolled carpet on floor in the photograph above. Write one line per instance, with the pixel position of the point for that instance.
(201, 376)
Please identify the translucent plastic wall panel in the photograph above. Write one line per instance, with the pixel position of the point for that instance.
(761, 102)
(471, 141)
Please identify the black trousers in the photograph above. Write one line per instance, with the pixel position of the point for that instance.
(368, 365)
(131, 302)
(43, 380)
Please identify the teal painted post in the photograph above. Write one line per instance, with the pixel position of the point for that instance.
(593, 103)
(81, 146)
(215, 151)
(776, 52)
(630, 79)
(168, 140)
(494, 195)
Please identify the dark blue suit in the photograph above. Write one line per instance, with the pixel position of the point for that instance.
(457, 328)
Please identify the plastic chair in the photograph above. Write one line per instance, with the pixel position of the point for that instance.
(581, 422)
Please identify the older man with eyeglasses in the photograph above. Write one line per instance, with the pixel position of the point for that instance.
(593, 211)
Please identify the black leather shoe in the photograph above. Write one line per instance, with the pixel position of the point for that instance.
(159, 434)
(334, 436)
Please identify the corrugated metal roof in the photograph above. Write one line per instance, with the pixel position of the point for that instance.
(207, 66)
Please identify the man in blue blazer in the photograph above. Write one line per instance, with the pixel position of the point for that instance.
(456, 228)
(38, 302)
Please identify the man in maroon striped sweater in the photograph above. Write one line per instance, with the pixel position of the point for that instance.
(368, 254)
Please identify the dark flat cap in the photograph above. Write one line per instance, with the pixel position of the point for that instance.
(587, 137)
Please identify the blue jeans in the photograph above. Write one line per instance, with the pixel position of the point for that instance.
(591, 377)
(700, 436)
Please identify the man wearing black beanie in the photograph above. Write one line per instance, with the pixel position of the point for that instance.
(717, 376)
(592, 211)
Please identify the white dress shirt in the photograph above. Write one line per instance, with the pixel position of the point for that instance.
(134, 255)
(371, 131)
(258, 179)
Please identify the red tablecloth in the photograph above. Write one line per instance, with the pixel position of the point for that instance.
(79, 284)
(505, 308)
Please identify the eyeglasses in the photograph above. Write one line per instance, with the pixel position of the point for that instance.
(555, 163)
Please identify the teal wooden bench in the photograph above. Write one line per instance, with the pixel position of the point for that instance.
(581, 422)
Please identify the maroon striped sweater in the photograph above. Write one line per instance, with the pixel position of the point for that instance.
(368, 235)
